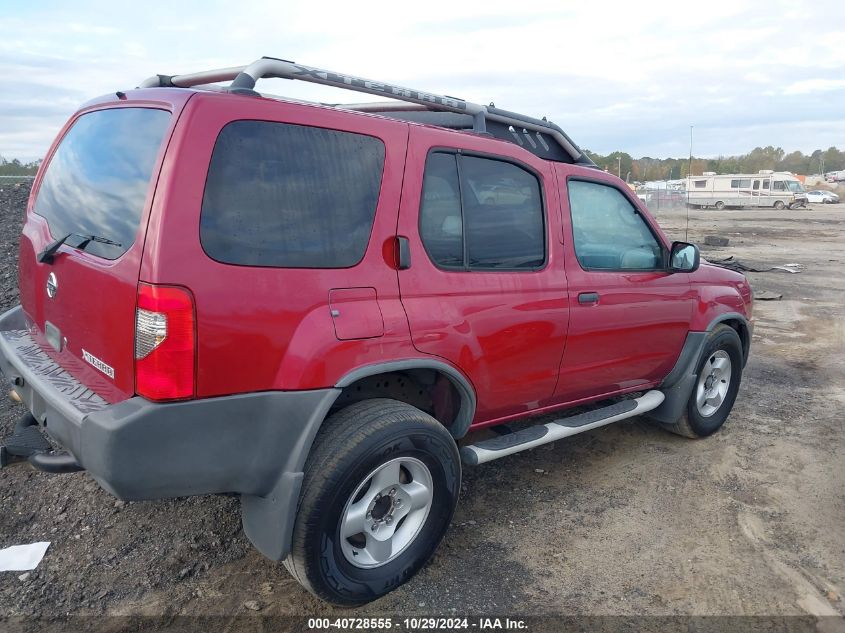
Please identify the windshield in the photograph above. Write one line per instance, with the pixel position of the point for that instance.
(97, 180)
(794, 185)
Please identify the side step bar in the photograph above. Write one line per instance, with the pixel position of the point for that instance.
(529, 437)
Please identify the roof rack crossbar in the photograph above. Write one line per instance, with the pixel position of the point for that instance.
(244, 79)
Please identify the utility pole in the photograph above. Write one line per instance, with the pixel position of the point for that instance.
(689, 173)
(619, 166)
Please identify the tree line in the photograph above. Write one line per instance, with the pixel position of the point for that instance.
(15, 167)
(775, 158)
(646, 168)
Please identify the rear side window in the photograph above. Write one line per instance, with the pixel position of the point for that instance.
(441, 224)
(481, 214)
(98, 178)
(290, 196)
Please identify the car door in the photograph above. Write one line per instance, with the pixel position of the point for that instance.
(629, 317)
(485, 287)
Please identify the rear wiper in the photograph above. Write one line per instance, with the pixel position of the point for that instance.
(46, 256)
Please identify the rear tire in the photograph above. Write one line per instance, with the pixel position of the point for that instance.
(718, 378)
(719, 205)
(380, 487)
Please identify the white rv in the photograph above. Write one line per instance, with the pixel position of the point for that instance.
(764, 189)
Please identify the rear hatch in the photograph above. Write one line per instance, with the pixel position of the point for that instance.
(95, 193)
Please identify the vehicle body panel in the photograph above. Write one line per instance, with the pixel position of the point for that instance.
(719, 291)
(631, 337)
(505, 329)
(265, 328)
(94, 304)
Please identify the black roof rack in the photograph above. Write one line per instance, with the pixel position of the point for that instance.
(538, 136)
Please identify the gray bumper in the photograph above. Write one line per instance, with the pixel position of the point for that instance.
(252, 444)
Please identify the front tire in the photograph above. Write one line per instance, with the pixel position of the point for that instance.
(380, 488)
(718, 378)
(779, 205)
(719, 205)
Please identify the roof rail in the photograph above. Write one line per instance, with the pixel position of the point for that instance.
(539, 136)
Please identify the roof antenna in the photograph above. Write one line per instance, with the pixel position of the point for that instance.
(689, 180)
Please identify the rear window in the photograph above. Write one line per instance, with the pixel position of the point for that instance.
(291, 196)
(98, 179)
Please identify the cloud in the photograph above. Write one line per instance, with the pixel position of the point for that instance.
(614, 75)
(809, 86)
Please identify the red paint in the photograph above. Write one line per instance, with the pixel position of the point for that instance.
(505, 330)
(355, 313)
(94, 307)
(521, 338)
(632, 336)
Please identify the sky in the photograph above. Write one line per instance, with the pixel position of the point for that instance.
(630, 76)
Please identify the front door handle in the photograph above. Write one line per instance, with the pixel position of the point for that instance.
(588, 297)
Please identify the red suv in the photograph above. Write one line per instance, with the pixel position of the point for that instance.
(312, 305)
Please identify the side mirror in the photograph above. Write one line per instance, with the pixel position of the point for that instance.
(684, 258)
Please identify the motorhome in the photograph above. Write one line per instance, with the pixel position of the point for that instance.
(766, 188)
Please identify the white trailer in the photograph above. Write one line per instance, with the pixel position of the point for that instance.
(764, 189)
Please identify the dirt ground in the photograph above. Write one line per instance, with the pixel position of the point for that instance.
(622, 520)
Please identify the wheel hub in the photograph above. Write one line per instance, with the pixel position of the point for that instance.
(386, 512)
(713, 384)
(384, 505)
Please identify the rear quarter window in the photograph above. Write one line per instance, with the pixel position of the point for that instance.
(291, 196)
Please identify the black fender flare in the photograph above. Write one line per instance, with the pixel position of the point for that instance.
(679, 383)
(466, 412)
(268, 519)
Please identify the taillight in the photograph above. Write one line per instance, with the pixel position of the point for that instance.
(165, 343)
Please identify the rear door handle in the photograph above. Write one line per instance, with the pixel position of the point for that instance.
(588, 297)
(404, 254)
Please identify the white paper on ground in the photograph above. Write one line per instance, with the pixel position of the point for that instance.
(22, 557)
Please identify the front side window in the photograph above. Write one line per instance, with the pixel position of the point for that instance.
(608, 232)
(481, 213)
(290, 196)
(778, 185)
(98, 178)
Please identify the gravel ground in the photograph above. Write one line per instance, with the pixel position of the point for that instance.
(622, 520)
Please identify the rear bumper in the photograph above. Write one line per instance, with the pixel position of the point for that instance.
(252, 444)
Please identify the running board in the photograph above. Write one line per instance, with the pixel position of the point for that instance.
(532, 436)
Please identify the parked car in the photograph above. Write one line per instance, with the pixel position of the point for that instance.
(311, 307)
(823, 197)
